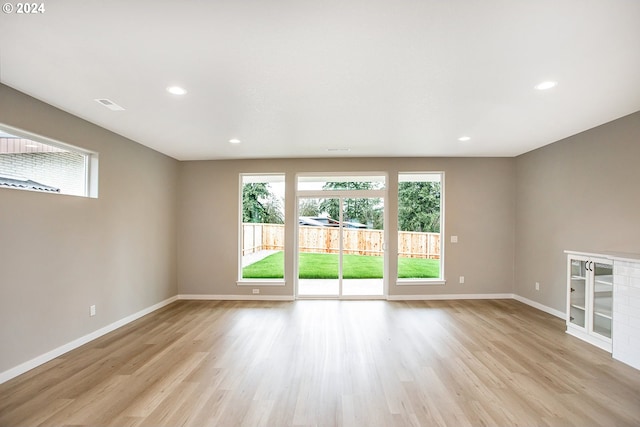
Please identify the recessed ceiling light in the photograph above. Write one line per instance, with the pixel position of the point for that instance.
(546, 85)
(176, 90)
(464, 138)
(235, 141)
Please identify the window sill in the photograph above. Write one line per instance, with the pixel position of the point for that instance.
(420, 282)
(261, 282)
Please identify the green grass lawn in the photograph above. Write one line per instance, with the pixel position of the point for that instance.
(325, 266)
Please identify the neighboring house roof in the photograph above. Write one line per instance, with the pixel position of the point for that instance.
(315, 221)
(353, 224)
(323, 221)
(26, 183)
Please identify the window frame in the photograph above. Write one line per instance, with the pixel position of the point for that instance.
(249, 281)
(424, 281)
(90, 160)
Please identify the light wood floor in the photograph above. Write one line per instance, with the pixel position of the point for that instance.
(331, 363)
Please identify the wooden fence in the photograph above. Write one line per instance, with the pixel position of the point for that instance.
(257, 237)
(413, 244)
(327, 240)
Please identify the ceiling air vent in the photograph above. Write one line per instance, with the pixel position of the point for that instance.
(110, 104)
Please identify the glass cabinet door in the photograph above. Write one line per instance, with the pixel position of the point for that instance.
(578, 292)
(602, 298)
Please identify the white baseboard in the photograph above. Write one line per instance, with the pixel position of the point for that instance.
(447, 297)
(539, 306)
(236, 297)
(57, 352)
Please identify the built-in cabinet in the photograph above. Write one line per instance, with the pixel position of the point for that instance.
(603, 302)
(590, 299)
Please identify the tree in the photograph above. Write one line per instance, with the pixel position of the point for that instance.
(419, 206)
(364, 210)
(259, 204)
(309, 207)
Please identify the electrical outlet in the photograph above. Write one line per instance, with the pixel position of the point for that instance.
(256, 291)
(461, 279)
(537, 286)
(92, 310)
(454, 239)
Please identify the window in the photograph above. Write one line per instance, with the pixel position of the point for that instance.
(340, 182)
(262, 228)
(31, 162)
(420, 219)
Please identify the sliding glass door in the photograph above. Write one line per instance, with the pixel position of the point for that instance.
(318, 248)
(340, 238)
(363, 247)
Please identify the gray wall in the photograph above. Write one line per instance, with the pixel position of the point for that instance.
(60, 254)
(581, 193)
(480, 207)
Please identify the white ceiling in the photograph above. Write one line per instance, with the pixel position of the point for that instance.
(296, 78)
